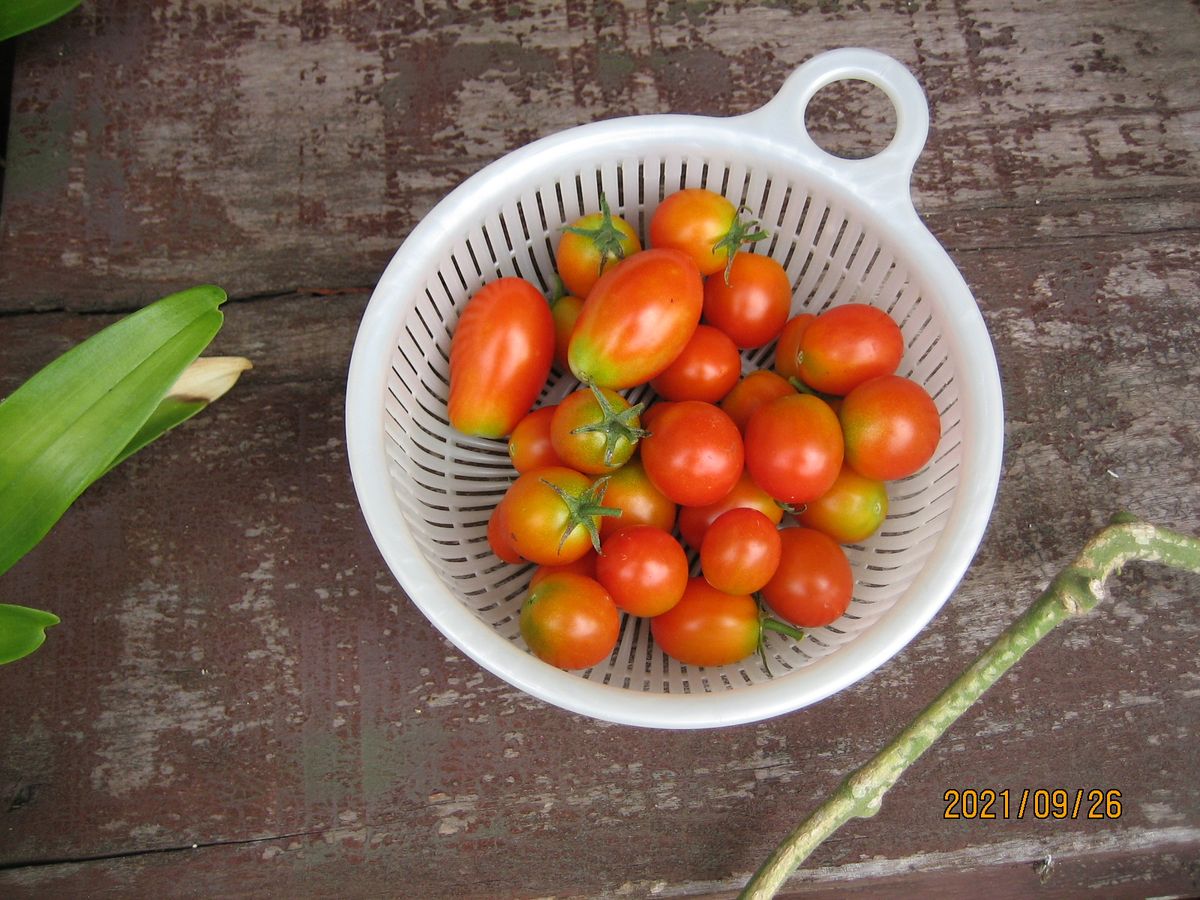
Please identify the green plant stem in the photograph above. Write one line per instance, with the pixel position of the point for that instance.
(1074, 591)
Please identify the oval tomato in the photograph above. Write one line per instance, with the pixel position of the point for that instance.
(740, 551)
(595, 430)
(704, 225)
(708, 627)
(529, 445)
(851, 510)
(756, 389)
(794, 448)
(644, 569)
(632, 492)
(706, 369)
(569, 621)
(753, 305)
(565, 312)
(498, 535)
(592, 245)
(814, 583)
(694, 455)
(637, 319)
(846, 345)
(500, 356)
(694, 520)
(787, 351)
(891, 426)
(552, 515)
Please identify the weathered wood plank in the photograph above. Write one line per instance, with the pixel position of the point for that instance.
(282, 146)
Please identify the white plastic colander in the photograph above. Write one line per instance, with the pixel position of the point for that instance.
(845, 230)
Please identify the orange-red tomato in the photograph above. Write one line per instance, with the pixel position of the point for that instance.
(585, 565)
(565, 311)
(847, 345)
(595, 430)
(500, 356)
(891, 427)
(740, 551)
(529, 445)
(498, 535)
(794, 448)
(552, 515)
(708, 627)
(851, 510)
(694, 520)
(814, 583)
(569, 621)
(753, 306)
(592, 245)
(702, 224)
(694, 455)
(706, 369)
(644, 569)
(754, 390)
(787, 351)
(630, 490)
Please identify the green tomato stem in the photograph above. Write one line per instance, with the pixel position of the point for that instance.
(741, 231)
(606, 237)
(615, 426)
(1073, 592)
(583, 509)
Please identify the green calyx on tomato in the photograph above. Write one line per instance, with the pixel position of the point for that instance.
(582, 509)
(608, 240)
(741, 231)
(620, 428)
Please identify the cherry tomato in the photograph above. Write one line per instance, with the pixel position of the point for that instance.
(637, 319)
(552, 515)
(704, 225)
(529, 445)
(740, 551)
(498, 536)
(708, 627)
(585, 565)
(644, 569)
(794, 448)
(706, 369)
(814, 582)
(694, 520)
(500, 355)
(851, 510)
(570, 621)
(787, 351)
(695, 454)
(595, 430)
(891, 427)
(847, 345)
(565, 312)
(632, 492)
(756, 389)
(753, 306)
(592, 245)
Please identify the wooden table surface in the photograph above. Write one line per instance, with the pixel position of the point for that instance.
(241, 701)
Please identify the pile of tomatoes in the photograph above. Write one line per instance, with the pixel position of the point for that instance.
(763, 476)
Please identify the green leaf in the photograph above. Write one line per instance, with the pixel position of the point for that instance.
(22, 630)
(19, 16)
(63, 428)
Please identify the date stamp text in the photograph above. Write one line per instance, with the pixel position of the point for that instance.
(1032, 803)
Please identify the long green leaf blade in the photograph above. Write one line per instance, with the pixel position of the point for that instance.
(62, 429)
(19, 16)
(22, 630)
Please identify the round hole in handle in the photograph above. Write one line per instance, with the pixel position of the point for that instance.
(851, 119)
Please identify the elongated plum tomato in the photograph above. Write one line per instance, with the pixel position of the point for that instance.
(814, 583)
(592, 245)
(637, 318)
(694, 455)
(552, 515)
(794, 448)
(891, 427)
(708, 627)
(847, 345)
(500, 356)
(569, 621)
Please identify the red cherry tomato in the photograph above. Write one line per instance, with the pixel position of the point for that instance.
(595, 430)
(704, 225)
(592, 245)
(694, 455)
(644, 569)
(708, 627)
(794, 448)
(756, 389)
(585, 565)
(552, 515)
(570, 621)
(851, 510)
(814, 583)
(694, 520)
(565, 312)
(500, 355)
(740, 551)
(706, 369)
(636, 319)
(632, 492)
(846, 345)
(529, 445)
(891, 427)
(787, 351)
(753, 307)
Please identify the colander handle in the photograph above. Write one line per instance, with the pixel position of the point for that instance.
(882, 178)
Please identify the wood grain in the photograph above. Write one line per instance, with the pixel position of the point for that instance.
(242, 702)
